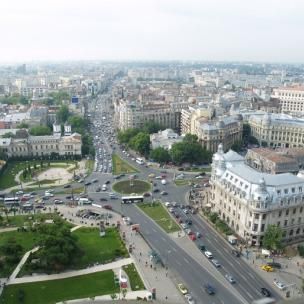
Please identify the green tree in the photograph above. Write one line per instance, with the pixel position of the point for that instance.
(23, 125)
(8, 135)
(190, 138)
(141, 143)
(58, 97)
(63, 114)
(152, 127)
(160, 155)
(237, 146)
(124, 137)
(40, 130)
(273, 237)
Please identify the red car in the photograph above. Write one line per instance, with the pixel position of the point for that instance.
(192, 237)
(108, 207)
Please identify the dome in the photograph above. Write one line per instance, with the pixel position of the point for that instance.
(219, 155)
(261, 193)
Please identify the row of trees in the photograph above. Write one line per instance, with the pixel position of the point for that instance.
(14, 100)
(187, 151)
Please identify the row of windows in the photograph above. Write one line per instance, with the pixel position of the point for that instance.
(291, 94)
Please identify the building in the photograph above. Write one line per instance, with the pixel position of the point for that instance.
(291, 98)
(134, 114)
(277, 130)
(249, 200)
(226, 130)
(271, 161)
(41, 146)
(164, 139)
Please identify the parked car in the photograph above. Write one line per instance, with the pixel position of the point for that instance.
(108, 207)
(267, 268)
(216, 263)
(208, 254)
(236, 253)
(103, 199)
(279, 284)
(67, 186)
(182, 288)
(265, 292)
(274, 265)
(201, 247)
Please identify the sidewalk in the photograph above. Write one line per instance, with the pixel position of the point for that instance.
(74, 273)
(158, 277)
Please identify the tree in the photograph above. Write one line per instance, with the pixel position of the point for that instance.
(124, 292)
(152, 127)
(8, 135)
(40, 130)
(237, 146)
(190, 138)
(23, 125)
(160, 155)
(63, 114)
(273, 237)
(124, 137)
(113, 296)
(58, 97)
(141, 143)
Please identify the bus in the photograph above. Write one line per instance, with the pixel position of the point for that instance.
(139, 160)
(132, 199)
(264, 301)
(11, 199)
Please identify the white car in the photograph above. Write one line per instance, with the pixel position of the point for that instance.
(189, 298)
(279, 284)
(167, 204)
(208, 254)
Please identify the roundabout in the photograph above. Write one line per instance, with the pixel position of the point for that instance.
(132, 186)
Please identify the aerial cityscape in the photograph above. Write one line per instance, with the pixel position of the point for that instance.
(151, 152)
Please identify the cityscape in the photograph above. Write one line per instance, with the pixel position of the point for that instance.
(140, 165)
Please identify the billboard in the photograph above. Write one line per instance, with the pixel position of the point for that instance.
(75, 99)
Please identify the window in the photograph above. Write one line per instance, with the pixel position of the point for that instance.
(287, 212)
(300, 189)
(293, 190)
(278, 224)
(256, 216)
(264, 216)
(279, 192)
(250, 214)
(294, 211)
(280, 213)
(255, 227)
(285, 223)
(262, 227)
(286, 191)
(301, 209)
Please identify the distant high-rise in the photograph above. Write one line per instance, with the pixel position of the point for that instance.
(22, 69)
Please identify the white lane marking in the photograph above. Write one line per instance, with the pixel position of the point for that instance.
(163, 239)
(222, 301)
(251, 275)
(243, 277)
(178, 262)
(173, 248)
(249, 295)
(216, 240)
(225, 249)
(238, 262)
(186, 260)
(154, 230)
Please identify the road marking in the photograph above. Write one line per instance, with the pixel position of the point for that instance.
(251, 275)
(238, 262)
(173, 248)
(163, 239)
(248, 294)
(186, 260)
(178, 262)
(243, 277)
(154, 230)
(221, 301)
(226, 250)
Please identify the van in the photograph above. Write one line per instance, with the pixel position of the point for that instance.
(104, 187)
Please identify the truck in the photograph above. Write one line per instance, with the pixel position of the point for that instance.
(232, 239)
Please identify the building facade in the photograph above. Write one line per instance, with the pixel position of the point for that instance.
(291, 98)
(164, 139)
(277, 130)
(249, 200)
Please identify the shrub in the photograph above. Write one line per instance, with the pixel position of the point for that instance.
(301, 250)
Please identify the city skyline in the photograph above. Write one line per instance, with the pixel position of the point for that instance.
(156, 30)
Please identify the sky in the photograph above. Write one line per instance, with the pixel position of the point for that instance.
(208, 30)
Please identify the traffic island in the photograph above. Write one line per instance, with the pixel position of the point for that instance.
(132, 186)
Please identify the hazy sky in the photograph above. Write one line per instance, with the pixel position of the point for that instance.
(255, 30)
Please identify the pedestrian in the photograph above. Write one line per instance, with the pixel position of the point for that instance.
(151, 266)
(146, 264)
(140, 253)
(166, 298)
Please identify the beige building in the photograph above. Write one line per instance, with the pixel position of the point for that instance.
(249, 200)
(133, 114)
(277, 130)
(271, 161)
(291, 98)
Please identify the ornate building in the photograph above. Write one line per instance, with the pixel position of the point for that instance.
(248, 200)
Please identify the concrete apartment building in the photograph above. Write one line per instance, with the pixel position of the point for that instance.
(39, 146)
(249, 200)
(277, 130)
(133, 114)
(291, 98)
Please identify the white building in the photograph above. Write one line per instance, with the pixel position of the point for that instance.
(291, 98)
(249, 200)
(164, 139)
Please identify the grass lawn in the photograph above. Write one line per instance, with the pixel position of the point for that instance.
(138, 187)
(136, 282)
(99, 249)
(195, 169)
(183, 182)
(121, 166)
(160, 215)
(26, 239)
(89, 165)
(7, 177)
(50, 292)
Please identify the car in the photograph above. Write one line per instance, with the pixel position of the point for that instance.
(171, 209)
(265, 292)
(68, 197)
(267, 268)
(209, 289)
(198, 235)
(208, 254)
(164, 193)
(188, 221)
(67, 186)
(189, 298)
(201, 247)
(188, 231)
(182, 288)
(274, 265)
(230, 278)
(107, 182)
(108, 207)
(87, 183)
(184, 226)
(192, 237)
(156, 190)
(216, 263)
(236, 253)
(279, 284)
(186, 211)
